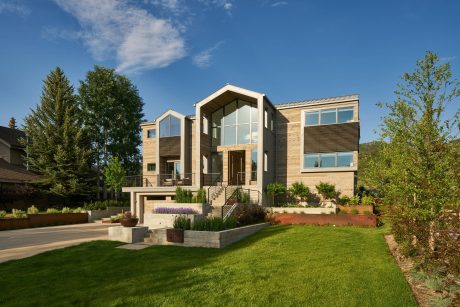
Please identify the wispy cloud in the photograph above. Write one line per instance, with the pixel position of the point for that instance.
(227, 5)
(279, 3)
(447, 59)
(14, 7)
(118, 29)
(204, 58)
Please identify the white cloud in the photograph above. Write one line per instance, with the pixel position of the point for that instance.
(204, 58)
(227, 5)
(13, 7)
(134, 37)
(275, 4)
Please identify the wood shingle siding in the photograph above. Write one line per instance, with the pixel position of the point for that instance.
(331, 138)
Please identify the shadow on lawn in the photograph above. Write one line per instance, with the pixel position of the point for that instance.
(99, 273)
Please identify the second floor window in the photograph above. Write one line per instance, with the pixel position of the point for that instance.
(169, 126)
(329, 116)
(151, 133)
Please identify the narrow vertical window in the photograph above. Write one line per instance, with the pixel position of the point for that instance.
(266, 118)
(266, 161)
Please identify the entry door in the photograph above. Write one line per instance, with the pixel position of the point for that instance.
(236, 167)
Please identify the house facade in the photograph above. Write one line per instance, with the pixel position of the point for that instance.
(238, 137)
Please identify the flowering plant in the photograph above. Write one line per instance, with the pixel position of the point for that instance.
(167, 210)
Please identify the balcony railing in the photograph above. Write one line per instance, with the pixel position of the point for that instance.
(168, 180)
(161, 180)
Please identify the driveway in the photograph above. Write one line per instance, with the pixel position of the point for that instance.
(21, 243)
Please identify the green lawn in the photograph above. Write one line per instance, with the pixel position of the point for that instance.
(281, 265)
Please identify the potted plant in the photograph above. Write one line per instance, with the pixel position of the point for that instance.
(176, 234)
(129, 220)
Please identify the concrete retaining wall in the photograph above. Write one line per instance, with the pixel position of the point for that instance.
(303, 210)
(128, 234)
(94, 215)
(157, 220)
(210, 239)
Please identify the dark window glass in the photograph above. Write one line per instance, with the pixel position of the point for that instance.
(151, 167)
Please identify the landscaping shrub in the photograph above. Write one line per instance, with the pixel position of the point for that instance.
(242, 197)
(167, 210)
(276, 189)
(18, 214)
(326, 190)
(214, 224)
(103, 204)
(183, 196)
(79, 210)
(367, 212)
(299, 191)
(52, 210)
(344, 200)
(2, 214)
(200, 197)
(367, 200)
(182, 222)
(249, 214)
(354, 200)
(354, 211)
(66, 210)
(32, 210)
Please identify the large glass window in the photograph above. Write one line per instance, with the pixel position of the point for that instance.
(235, 123)
(344, 159)
(169, 126)
(254, 164)
(328, 160)
(329, 116)
(345, 115)
(216, 163)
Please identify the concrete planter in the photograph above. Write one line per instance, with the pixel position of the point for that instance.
(128, 234)
(303, 210)
(361, 209)
(157, 220)
(94, 215)
(210, 239)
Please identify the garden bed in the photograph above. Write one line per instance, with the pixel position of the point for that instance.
(41, 220)
(210, 239)
(302, 210)
(326, 219)
(162, 220)
(94, 215)
(361, 209)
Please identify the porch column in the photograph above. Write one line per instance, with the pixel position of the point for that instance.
(140, 207)
(132, 202)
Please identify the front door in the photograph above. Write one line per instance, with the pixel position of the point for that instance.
(236, 167)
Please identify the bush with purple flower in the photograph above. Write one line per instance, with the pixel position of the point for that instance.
(168, 210)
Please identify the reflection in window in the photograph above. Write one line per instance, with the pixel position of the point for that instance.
(169, 126)
(151, 133)
(329, 116)
(254, 164)
(328, 160)
(235, 123)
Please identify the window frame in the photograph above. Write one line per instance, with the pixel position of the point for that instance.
(168, 119)
(154, 164)
(327, 110)
(319, 168)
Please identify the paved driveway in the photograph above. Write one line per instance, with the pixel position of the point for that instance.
(21, 243)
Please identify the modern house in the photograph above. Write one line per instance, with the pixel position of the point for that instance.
(238, 137)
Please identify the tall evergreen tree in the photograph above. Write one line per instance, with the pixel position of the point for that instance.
(56, 142)
(112, 112)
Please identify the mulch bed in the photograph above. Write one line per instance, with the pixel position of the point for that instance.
(422, 293)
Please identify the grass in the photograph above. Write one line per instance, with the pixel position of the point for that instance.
(279, 266)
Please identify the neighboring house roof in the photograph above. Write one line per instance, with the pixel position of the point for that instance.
(11, 136)
(317, 101)
(14, 173)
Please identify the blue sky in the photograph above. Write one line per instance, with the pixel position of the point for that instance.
(178, 51)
